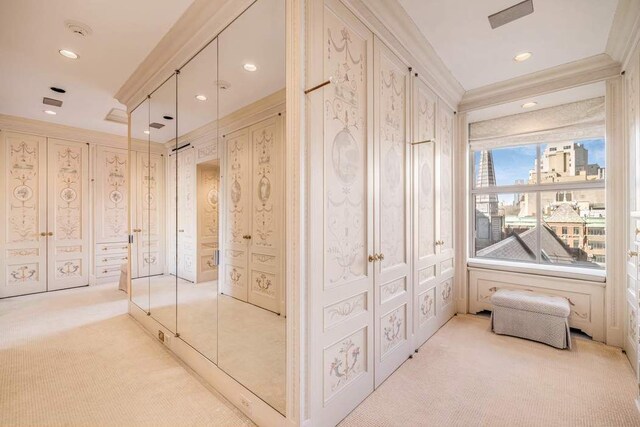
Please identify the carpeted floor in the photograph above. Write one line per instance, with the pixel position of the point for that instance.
(467, 376)
(76, 358)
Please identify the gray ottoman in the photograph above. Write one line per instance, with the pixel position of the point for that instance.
(533, 316)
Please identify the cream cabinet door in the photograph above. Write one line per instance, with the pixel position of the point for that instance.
(186, 212)
(393, 288)
(23, 198)
(172, 224)
(445, 306)
(237, 196)
(68, 214)
(424, 211)
(632, 104)
(340, 211)
(111, 195)
(208, 222)
(266, 242)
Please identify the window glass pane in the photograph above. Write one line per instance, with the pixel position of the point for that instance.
(505, 226)
(574, 231)
(505, 166)
(575, 161)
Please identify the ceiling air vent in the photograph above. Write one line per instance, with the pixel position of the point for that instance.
(51, 101)
(156, 125)
(510, 14)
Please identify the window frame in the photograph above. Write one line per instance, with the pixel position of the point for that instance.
(537, 188)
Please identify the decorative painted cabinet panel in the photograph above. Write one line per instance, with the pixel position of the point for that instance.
(45, 235)
(253, 226)
(380, 211)
(393, 287)
(111, 210)
(186, 211)
(425, 256)
(342, 212)
(147, 215)
(208, 221)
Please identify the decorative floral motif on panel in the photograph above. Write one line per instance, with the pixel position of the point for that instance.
(23, 164)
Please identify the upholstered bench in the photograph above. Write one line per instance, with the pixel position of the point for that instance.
(533, 316)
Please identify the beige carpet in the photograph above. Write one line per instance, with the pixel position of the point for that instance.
(75, 358)
(467, 376)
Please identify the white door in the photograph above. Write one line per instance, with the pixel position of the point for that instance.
(137, 213)
(266, 236)
(341, 211)
(393, 288)
(153, 219)
(424, 211)
(68, 214)
(23, 197)
(172, 224)
(208, 189)
(444, 296)
(112, 193)
(632, 86)
(237, 216)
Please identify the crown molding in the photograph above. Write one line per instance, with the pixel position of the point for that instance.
(390, 22)
(625, 31)
(565, 76)
(198, 25)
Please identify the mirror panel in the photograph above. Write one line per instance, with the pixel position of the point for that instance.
(139, 129)
(162, 128)
(251, 321)
(198, 177)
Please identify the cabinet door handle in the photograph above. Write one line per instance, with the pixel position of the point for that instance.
(631, 254)
(180, 231)
(50, 233)
(373, 258)
(247, 236)
(381, 257)
(43, 234)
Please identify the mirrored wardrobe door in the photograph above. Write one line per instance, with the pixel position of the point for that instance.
(251, 321)
(138, 157)
(162, 127)
(198, 180)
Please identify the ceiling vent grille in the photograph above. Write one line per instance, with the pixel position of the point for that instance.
(117, 115)
(156, 125)
(51, 101)
(510, 14)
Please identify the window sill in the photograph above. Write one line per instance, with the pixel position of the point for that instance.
(586, 274)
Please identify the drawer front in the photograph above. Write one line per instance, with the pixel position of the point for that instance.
(111, 259)
(111, 249)
(108, 271)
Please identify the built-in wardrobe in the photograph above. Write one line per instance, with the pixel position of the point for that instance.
(381, 211)
(44, 208)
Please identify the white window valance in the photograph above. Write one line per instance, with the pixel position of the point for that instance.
(568, 122)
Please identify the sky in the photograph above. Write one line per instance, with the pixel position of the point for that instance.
(515, 162)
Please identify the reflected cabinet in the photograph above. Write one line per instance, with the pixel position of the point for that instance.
(207, 195)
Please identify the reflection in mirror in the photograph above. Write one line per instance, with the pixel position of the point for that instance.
(162, 127)
(139, 279)
(197, 177)
(251, 321)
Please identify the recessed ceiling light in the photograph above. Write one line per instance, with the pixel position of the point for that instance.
(50, 112)
(250, 67)
(146, 132)
(529, 104)
(68, 54)
(201, 97)
(521, 57)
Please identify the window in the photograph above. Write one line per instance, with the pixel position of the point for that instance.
(517, 217)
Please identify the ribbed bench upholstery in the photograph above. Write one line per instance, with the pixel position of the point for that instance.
(533, 316)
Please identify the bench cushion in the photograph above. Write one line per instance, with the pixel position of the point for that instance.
(531, 301)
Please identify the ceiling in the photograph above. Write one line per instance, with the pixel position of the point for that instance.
(557, 32)
(256, 37)
(32, 32)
